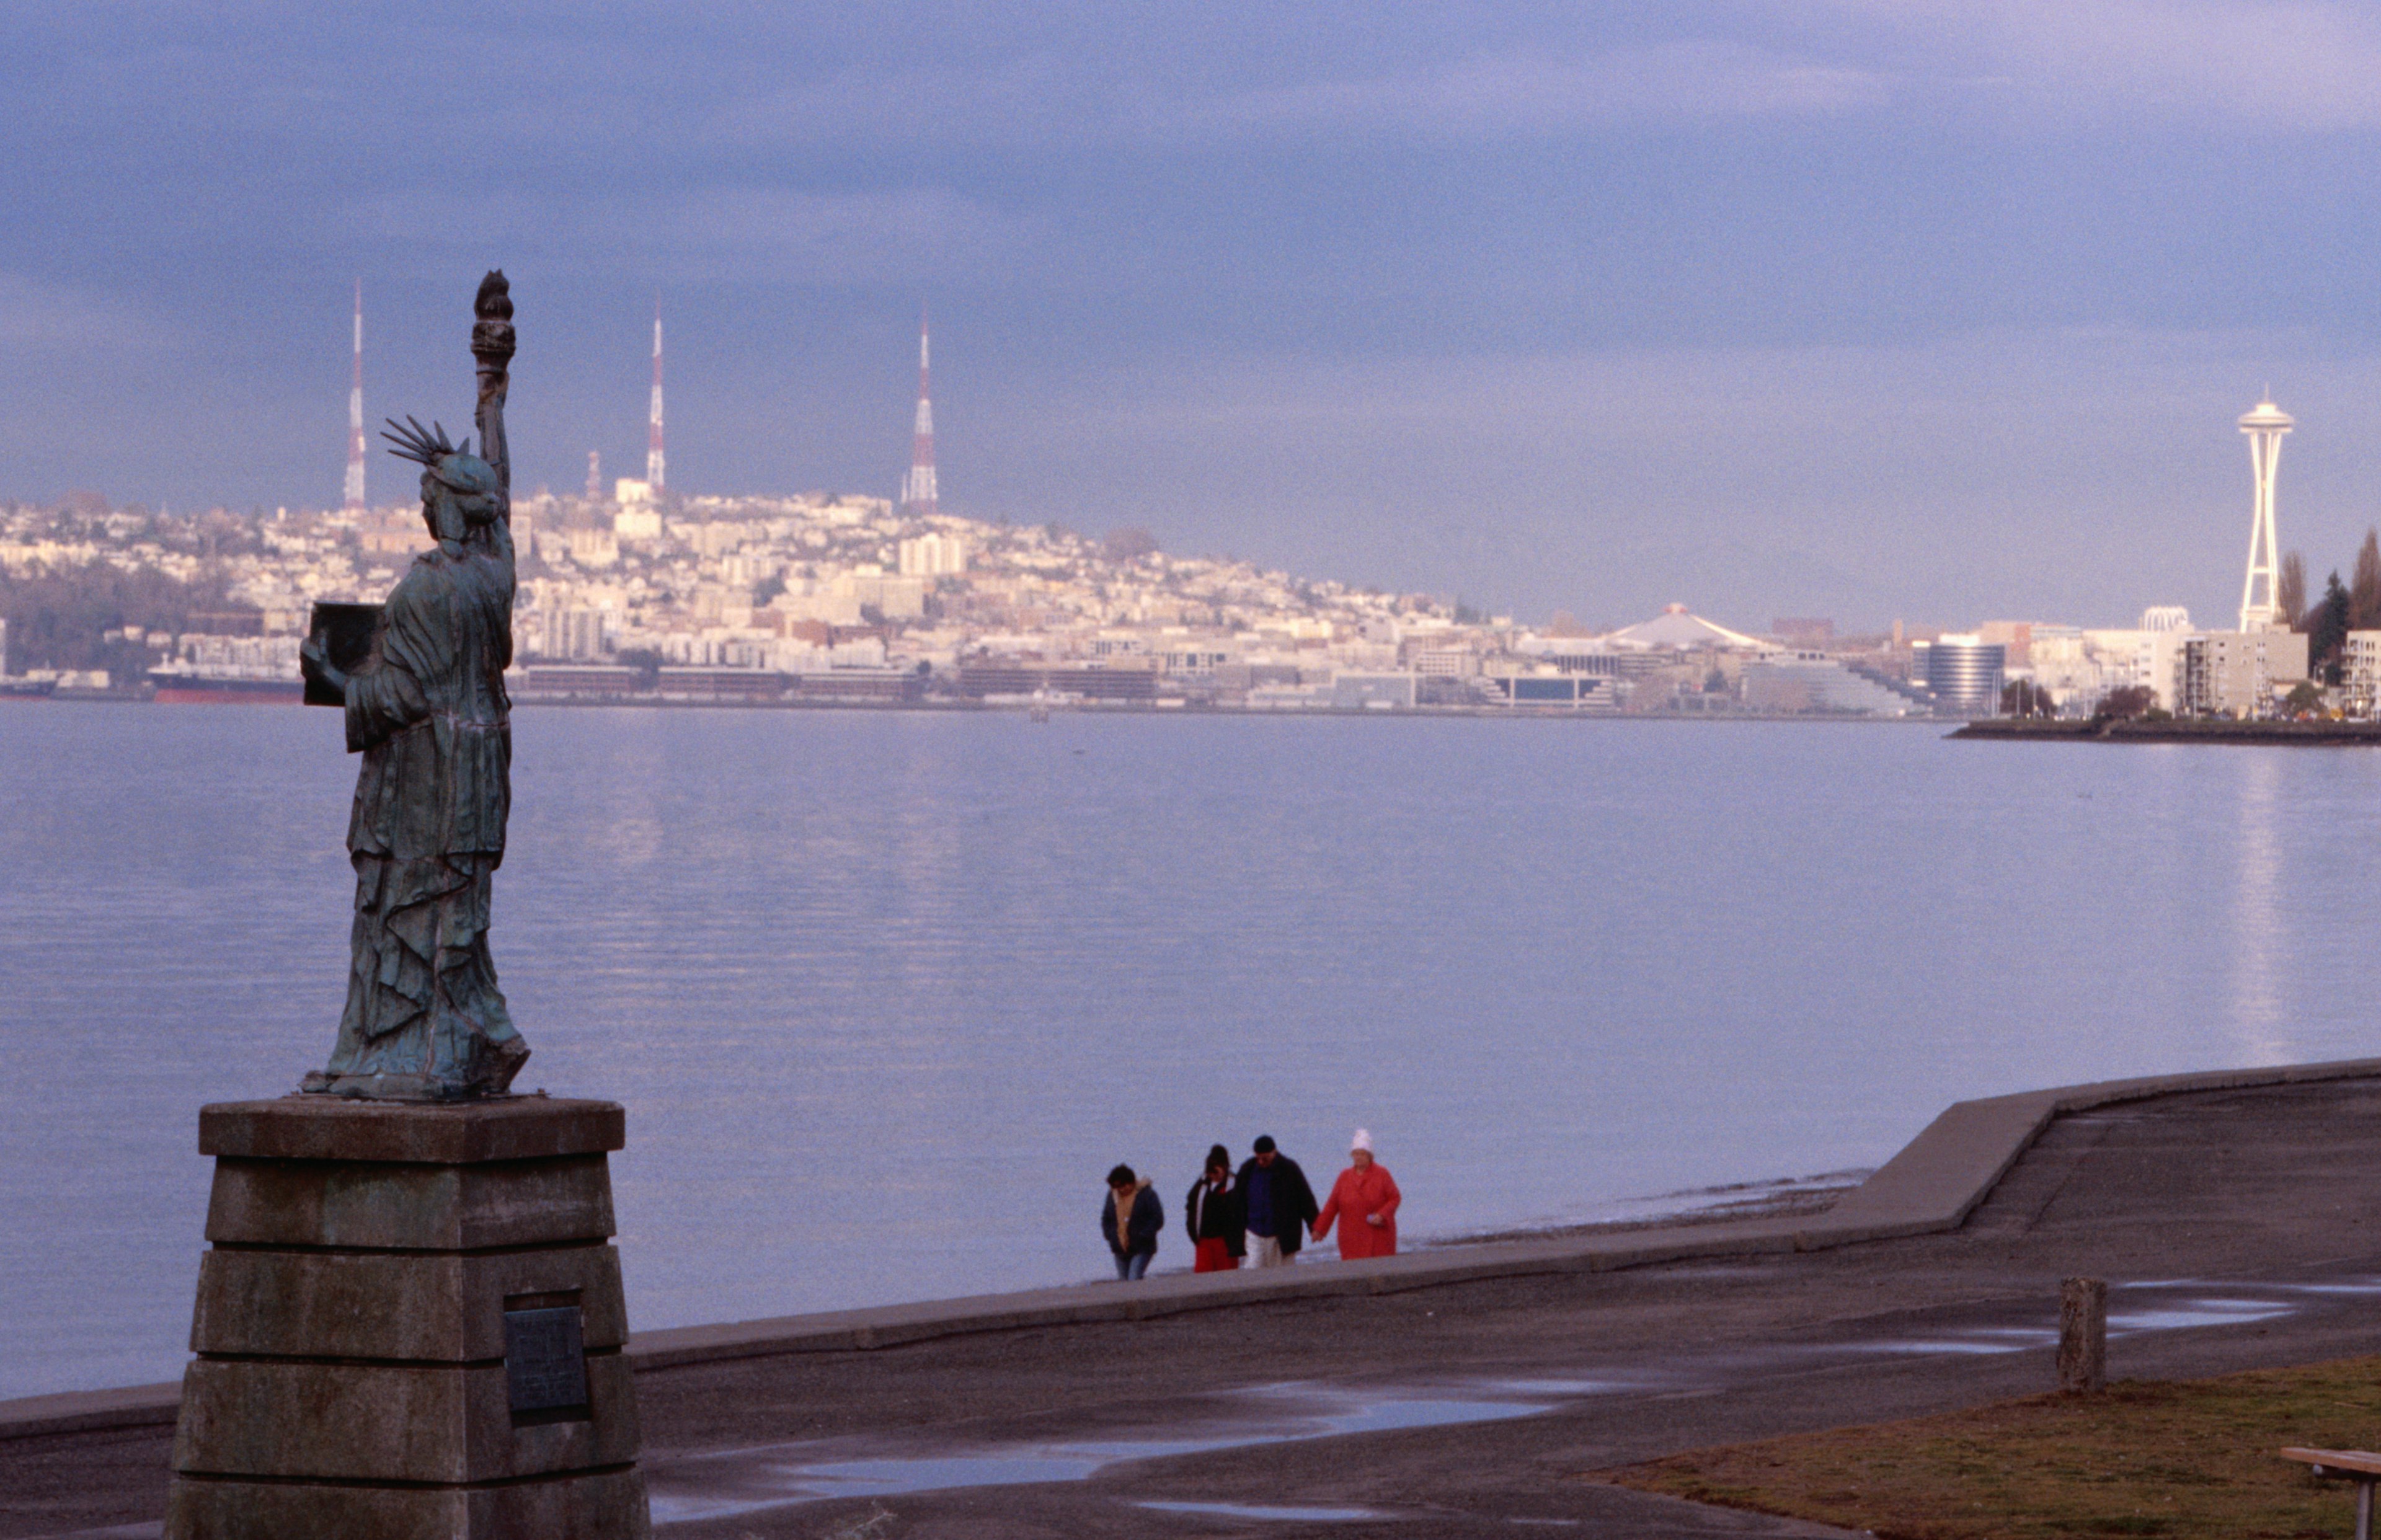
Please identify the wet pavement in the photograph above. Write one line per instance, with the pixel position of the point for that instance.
(2238, 1229)
(747, 1482)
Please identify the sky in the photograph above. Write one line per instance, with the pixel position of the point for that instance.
(1862, 309)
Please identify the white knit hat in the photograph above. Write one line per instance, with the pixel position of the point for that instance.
(1364, 1141)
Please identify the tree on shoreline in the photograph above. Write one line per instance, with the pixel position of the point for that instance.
(2327, 628)
(2025, 698)
(2123, 705)
(2364, 588)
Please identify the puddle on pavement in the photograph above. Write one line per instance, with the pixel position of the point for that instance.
(1391, 1416)
(1557, 1386)
(1244, 1510)
(2182, 1315)
(2197, 1313)
(2348, 1287)
(889, 1478)
(779, 1475)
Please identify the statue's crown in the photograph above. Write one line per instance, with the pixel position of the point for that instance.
(454, 465)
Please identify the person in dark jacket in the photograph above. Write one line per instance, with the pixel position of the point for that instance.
(1130, 1219)
(1278, 1203)
(1217, 1217)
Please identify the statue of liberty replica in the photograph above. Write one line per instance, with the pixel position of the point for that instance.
(356, 1369)
(426, 708)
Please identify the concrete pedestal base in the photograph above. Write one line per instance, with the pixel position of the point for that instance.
(408, 1325)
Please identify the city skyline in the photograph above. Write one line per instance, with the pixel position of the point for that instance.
(917, 492)
(1386, 301)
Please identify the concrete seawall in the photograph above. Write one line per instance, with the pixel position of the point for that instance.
(1932, 1185)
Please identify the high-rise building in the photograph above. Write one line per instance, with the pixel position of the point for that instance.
(918, 487)
(654, 461)
(355, 490)
(933, 556)
(2264, 423)
(1965, 674)
(2238, 673)
(594, 475)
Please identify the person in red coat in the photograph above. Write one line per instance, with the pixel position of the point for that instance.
(1364, 1202)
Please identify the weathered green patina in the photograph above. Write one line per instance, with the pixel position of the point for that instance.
(426, 708)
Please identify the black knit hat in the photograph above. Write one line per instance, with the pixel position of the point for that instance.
(1121, 1177)
(1263, 1144)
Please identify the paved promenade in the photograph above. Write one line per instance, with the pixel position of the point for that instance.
(1475, 1393)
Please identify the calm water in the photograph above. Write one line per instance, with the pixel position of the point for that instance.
(886, 995)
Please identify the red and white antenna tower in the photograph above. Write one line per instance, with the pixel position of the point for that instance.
(355, 496)
(655, 467)
(918, 487)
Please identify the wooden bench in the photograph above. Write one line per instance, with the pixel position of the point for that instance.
(2361, 1466)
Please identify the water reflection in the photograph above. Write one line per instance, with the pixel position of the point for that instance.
(2260, 920)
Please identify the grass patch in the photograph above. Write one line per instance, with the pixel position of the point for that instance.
(2186, 1460)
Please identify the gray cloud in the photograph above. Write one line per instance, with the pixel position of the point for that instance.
(1691, 80)
(704, 235)
(2266, 64)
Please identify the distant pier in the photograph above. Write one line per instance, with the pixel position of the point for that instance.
(2319, 735)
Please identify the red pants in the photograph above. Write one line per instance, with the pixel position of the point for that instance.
(1215, 1256)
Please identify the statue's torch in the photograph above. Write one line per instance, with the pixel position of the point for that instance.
(492, 344)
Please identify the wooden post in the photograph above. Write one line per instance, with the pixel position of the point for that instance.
(2082, 1335)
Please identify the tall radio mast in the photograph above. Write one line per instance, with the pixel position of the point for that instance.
(655, 465)
(355, 492)
(918, 487)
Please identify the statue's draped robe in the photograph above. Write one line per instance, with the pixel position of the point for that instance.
(429, 714)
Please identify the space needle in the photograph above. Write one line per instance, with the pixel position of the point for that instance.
(2264, 423)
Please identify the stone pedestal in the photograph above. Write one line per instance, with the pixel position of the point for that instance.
(409, 1324)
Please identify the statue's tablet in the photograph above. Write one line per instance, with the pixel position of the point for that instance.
(345, 634)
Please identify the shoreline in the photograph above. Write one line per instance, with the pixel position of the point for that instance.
(1098, 708)
(1931, 1185)
(2305, 735)
(1786, 1197)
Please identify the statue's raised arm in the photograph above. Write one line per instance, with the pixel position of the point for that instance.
(492, 344)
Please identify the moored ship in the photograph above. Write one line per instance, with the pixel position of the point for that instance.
(182, 684)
